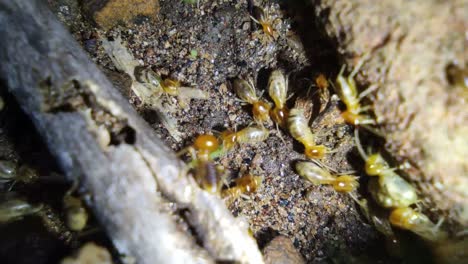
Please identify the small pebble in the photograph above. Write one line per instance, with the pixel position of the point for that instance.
(281, 251)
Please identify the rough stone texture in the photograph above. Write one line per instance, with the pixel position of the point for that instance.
(281, 250)
(109, 13)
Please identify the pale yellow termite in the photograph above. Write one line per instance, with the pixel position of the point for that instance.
(252, 135)
(244, 185)
(299, 128)
(317, 175)
(387, 188)
(246, 92)
(416, 222)
(13, 208)
(348, 93)
(278, 91)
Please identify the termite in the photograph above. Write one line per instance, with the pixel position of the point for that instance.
(244, 185)
(76, 215)
(299, 128)
(229, 139)
(321, 82)
(248, 135)
(379, 219)
(8, 171)
(169, 86)
(387, 188)
(11, 173)
(416, 222)
(14, 208)
(348, 93)
(206, 173)
(252, 135)
(320, 176)
(245, 90)
(278, 91)
(391, 191)
(263, 18)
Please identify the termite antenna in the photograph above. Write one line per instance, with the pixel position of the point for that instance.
(359, 146)
(367, 91)
(342, 70)
(255, 20)
(359, 65)
(373, 130)
(323, 165)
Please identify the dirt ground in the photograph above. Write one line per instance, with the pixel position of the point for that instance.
(206, 46)
(316, 219)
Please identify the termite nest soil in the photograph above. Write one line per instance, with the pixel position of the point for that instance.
(206, 46)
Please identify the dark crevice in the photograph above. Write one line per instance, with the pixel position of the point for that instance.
(21, 143)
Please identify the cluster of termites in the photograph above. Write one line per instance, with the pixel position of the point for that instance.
(388, 189)
(14, 206)
(395, 197)
(392, 192)
(211, 177)
(264, 113)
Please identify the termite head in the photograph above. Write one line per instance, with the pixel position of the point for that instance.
(375, 165)
(345, 183)
(260, 111)
(205, 144)
(356, 119)
(280, 116)
(229, 139)
(171, 86)
(315, 151)
(261, 17)
(249, 183)
(321, 81)
(405, 218)
(267, 28)
(350, 118)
